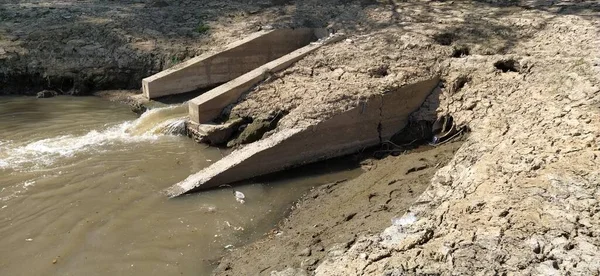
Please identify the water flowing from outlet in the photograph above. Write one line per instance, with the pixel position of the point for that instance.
(152, 125)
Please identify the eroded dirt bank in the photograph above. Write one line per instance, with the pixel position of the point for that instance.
(521, 195)
(330, 218)
(77, 47)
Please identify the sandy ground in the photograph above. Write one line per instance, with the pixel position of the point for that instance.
(331, 217)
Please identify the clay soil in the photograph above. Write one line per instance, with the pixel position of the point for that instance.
(330, 218)
(519, 197)
(78, 47)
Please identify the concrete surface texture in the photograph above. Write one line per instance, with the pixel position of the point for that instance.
(236, 59)
(209, 105)
(372, 121)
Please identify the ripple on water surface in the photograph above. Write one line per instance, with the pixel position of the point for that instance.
(81, 193)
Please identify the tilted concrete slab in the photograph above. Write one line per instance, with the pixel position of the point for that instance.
(209, 105)
(373, 121)
(235, 60)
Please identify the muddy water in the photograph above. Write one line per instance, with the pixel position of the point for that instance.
(81, 183)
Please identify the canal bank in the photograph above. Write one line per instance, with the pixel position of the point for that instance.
(520, 195)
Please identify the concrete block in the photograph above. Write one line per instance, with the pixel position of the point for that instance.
(370, 123)
(236, 59)
(209, 105)
(215, 134)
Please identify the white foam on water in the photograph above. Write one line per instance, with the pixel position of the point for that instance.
(16, 190)
(43, 153)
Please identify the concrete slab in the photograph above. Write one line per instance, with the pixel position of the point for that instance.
(373, 121)
(209, 105)
(233, 61)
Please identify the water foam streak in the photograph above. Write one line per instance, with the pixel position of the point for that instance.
(152, 125)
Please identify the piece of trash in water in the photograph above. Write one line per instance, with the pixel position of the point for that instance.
(28, 240)
(405, 220)
(208, 160)
(4, 206)
(229, 246)
(239, 197)
(228, 224)
(208, 208)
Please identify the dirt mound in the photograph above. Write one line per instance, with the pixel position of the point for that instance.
(521, 195)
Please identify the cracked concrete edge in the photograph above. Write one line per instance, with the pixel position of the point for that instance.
(376, 118)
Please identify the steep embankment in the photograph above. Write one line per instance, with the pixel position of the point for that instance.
(77, 47)
(521, 195)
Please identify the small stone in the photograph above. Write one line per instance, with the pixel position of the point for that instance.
(535, 246)
(289, 272)
(379, 71)
(219, 134)
(138, 108)
(305, 252)
(253, 11)
(309, 262)
(337, 73)
(46, 94)
(160, 4)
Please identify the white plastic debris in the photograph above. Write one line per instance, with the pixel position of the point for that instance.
(229, 246)
(28, 240)
(405, 220)
(239, 197)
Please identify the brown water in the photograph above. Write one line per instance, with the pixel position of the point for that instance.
(81, 193)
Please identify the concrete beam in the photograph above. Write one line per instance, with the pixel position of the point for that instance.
(209, 105)
(233, 61)
(373, 121)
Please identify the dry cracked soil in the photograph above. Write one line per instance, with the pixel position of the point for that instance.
(519, 196)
